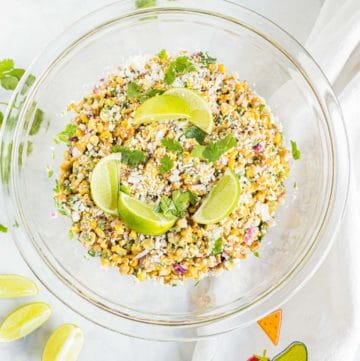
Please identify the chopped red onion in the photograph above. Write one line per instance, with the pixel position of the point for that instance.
(178, 268)
(250, 233)
(258, 147)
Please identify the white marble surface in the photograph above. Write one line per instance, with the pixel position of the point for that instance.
(26, 27)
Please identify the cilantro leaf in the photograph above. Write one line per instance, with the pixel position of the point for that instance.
(172, 145)
(218, 247)
(17, 73)
(195, 133)
(130, 157)
(144, 3)
(166, 206)
(166, 163)
(198, 151)
(9, 82)
(162, 54)
(176, 205)
(214, 151)
(6, 65)
(181, 201)
(133, 90)
(63, 136)
(295, 150)
(170, 75)
(193, 197)
(3, 229)
(206, 59)
(180, 66)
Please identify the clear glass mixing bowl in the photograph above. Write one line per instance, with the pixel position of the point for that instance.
(276, 66)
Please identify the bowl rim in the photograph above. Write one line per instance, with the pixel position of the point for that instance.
(190, 330)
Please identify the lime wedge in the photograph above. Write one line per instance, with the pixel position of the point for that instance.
(162, 107)
(176, 103)
(104, 183)
(297, 351)
(64, 344)
(221, 200)
(141, 217)
(24, 320)
(201, 114)
(16, 286)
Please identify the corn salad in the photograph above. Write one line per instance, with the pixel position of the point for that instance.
(102, 121)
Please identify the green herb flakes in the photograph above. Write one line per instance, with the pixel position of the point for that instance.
(206, 59)
(3, 229)
(49, 171)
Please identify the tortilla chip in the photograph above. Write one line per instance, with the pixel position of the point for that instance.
(271, 325)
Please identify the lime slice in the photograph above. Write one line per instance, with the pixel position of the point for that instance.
(221, 201)
(16, 286)
(64, 344)
(105, 182)
(24, 320)
(141, 217)
(201, 114)
(176, 103)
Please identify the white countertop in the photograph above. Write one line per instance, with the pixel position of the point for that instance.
(26, 27)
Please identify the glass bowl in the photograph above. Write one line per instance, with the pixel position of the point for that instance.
(276, 66)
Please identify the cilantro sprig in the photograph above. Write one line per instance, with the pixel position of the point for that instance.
(9, 78)
(172, 145)
(180, 66)
(213, 151)
(295, 150)
(177, 204)
(166, 164)
(9, 75)
(134, 91)
(128, 156)
(65, 135)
